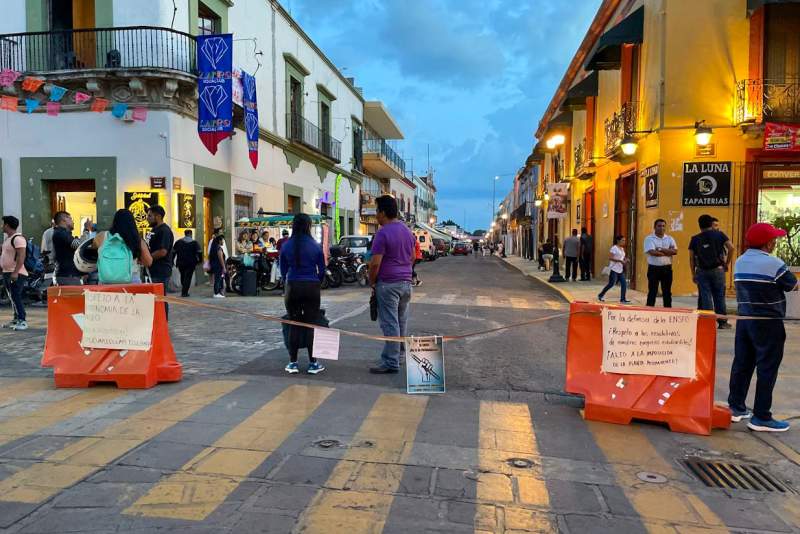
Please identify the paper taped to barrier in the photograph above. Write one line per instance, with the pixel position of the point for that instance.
(658, 343)
(326, 343)
(121, 321)
(793, 305)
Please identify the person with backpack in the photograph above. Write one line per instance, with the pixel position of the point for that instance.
(187, 256)
(12, 259)
(121, 252)
(710, 257)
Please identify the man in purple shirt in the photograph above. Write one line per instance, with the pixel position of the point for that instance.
(390, 277)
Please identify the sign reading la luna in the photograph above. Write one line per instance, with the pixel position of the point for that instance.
(707, 183)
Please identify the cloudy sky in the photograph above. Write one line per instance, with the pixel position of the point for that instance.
(469, 78)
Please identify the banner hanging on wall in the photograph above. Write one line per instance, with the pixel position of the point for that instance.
(782, 137)
(138, 203)
(185, 210)
(250, 105)
(557, 205)
(214, 88)
(337, 228)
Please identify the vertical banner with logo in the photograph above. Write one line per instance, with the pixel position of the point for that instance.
(214, 88)
(250, 105)
(707, 184)
(138, 204)
(337, 229)
(782, 137)
(557, 205)
(185, 210)
(650, 179)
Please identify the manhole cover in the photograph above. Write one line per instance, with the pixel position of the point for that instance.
(520, 463)
(652, 478)
(735, 476)
(327, 443)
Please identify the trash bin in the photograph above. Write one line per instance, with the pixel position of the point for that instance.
(249, 283)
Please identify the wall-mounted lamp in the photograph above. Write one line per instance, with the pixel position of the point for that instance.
(702, 133)
(547, 197)
(555, 141)
(537, 202)
(505, 216)
(629, 145)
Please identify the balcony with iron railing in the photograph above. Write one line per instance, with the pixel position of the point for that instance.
(620, 124)
(580, 157)
(767, 100)
(300, 130)
(381, 159)
(134, 47)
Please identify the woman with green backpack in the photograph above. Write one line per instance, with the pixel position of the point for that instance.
(121, 252)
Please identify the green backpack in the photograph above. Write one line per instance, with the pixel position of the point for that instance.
(114, 261)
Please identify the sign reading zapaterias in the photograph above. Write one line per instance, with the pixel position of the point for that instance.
(707, 183)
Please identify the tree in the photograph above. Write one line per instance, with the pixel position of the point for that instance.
(449, 222)
(479, 233)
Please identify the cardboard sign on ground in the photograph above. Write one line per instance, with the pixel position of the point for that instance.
(425, 365)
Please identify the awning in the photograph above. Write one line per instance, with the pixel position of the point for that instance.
(607, 54)
(562, 119)
(576, 96)
(752, 5)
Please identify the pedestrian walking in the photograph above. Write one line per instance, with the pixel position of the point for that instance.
(417, 259)
(572, 249)
(216, 262)
(390, 277)
(284, 238)
(64, 246)
(585, 255)
(710, 256)
(161, 242)
(761, 282)
(188, 255)
(616, 270)
(47, 243)
(303, 268)
(12, 259)
(659, 248)
(121, 251)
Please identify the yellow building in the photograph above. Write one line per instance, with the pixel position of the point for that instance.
(628, 127)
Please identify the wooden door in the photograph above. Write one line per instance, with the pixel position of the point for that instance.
(625, 218)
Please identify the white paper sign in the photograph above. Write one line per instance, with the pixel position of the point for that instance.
(326, 344)
(793, 304)
(659, 343)
(121, 321)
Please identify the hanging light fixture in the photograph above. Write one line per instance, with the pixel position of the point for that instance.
(702, 133)
(629, 145)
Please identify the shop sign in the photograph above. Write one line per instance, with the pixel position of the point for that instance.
(707, 151)
(158, 182)
(782, 137)
(557, 205)
(177, 183)
(650, 179)
(787, 174)
(185, 210)
(138, 204)
(707, 184)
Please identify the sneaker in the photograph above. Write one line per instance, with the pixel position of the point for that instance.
(725, 326)
(625, 301)
(11, 324)
(291, 368)
(21, 325)
(600, 298)
(738, 415)
(314, 368)
(771, 425)
(219, 296)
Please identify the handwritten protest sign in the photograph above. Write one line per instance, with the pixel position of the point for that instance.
(659, 343)
(326, 343)
(121, 321)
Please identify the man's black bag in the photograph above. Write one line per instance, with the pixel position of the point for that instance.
(373, 307)
(308, 333)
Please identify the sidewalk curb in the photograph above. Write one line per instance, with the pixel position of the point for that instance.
(565, 293)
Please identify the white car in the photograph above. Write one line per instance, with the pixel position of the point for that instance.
(357, 244)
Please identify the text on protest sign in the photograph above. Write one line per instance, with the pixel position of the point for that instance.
(122, 321)
(659, 343)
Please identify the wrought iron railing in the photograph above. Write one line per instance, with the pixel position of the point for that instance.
(620, 124)
(767, 100)
(382, 148)
(303, 131)
(133, 47)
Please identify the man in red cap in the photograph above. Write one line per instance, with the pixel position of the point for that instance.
(761, 281)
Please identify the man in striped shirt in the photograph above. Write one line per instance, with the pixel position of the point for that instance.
(761, 282)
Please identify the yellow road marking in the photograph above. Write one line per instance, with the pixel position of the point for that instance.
(205, 482)
(519, 303)
(483, 300)
(54, 412)
(78, 460)
(629, 451)
(12, 390)
(416, 295)
(505, 431)
(358, 496)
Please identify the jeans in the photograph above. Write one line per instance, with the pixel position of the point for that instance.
(186, 280)
(14, 290)
(584, 262)
(165, 282)
(613, 277)
(659, 274)
(758, 347)
(711, 286)
(393, 299)
(572, 262)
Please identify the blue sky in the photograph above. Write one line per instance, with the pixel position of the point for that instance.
(470, 78)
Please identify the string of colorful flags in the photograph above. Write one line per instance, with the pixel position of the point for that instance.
(58, 96)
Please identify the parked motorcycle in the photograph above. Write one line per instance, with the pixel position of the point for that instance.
(261, 264)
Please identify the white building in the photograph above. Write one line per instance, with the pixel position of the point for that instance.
(425, 199)
(85, 162)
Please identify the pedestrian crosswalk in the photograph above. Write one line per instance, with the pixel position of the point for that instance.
(458, 463)
(452, 299)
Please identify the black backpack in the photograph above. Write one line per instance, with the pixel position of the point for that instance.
(707, 252)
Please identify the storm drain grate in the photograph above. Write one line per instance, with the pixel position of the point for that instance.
(735, 476)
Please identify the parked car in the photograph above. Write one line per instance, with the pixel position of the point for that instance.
(442, 246)
(462, 249)
(357, 244)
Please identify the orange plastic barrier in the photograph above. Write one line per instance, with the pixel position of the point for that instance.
(688, 405)
(75, 367)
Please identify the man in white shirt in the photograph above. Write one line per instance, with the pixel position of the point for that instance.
(659, 248)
